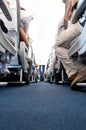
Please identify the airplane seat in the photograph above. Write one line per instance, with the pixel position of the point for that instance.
(21, 58)
(82, 50)
(78, 44)
(61, 76)
(9, 40)
(25, 55)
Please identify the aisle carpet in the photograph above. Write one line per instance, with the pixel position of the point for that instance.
(42, 106)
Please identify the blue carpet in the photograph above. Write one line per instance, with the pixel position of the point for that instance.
(42, 106)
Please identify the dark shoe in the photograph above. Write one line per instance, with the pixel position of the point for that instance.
(3, 27)
(80, 77)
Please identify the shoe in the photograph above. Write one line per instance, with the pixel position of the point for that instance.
(72, 76)
(80, 77)
(3, 27)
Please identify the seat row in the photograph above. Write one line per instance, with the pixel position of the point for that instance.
(16, 58)
(76, 52)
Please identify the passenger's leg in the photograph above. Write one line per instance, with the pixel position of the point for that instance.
(68, 35)
(71, 67)
(24, 36)
(80, 77)
(27, 20)
(30, 64)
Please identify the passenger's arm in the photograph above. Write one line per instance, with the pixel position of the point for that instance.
(68, 12)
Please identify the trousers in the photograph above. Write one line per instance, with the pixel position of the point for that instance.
(62, 46)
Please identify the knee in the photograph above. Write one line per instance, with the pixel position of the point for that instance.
(61, 51)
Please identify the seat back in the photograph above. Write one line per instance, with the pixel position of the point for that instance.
(82, 50)
(79, 44)
(12, 25)
(80, 8)
(14, 28)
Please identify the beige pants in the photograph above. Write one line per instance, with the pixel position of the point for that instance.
(68, 35)
(62, 46)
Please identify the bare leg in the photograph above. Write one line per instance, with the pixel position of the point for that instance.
(24, 36)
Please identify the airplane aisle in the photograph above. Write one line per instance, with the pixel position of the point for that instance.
(42, 106)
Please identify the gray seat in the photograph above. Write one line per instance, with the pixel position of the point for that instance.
(6, 10)
(82, 50)
(8, 42)
(80, 8)
(78, 45)
(13, 52)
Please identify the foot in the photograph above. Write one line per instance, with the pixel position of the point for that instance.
(80, 77)
(73, 76)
